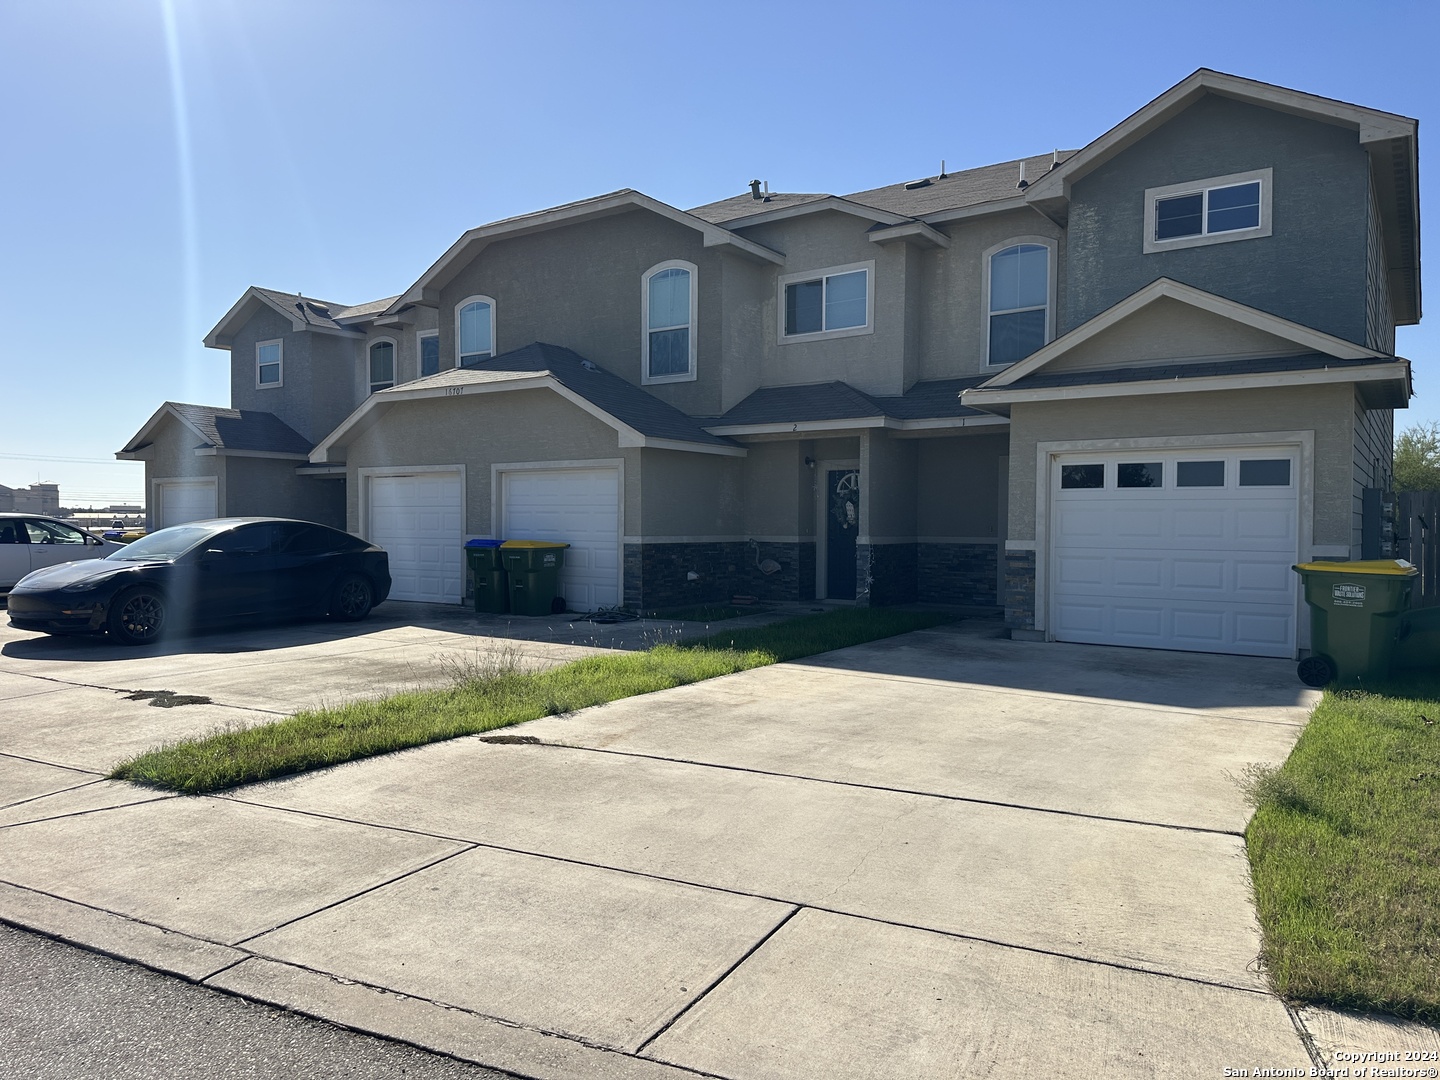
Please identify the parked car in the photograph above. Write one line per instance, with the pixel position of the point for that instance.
(31, 542)
(204, 573)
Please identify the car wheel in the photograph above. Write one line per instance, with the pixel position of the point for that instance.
(352, 599)
(137, 617)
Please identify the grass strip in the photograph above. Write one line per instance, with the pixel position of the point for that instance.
(1345, 854)
(493, 694)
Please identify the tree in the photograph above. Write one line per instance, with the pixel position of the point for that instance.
(1417, 458)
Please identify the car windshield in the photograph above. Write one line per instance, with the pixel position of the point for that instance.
(167, 545)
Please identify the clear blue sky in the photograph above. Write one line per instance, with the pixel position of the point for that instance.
(337, 147)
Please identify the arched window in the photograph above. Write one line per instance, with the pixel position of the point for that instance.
(668, 346)
(382, 365)
(475, 330)
(1019, 319)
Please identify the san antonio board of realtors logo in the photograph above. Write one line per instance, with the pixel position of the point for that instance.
(1347, 595)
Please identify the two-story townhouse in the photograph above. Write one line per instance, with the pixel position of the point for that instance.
(1118, 391)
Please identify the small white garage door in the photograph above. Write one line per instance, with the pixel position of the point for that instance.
(419, 519)
(580, 507)
(184, 500)
(1176, 551)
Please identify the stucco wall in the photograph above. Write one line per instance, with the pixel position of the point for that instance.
(873, 362)
(958, 481)
(478, 430)
(1374, 461)
(887, 488)
(170, 456)
(1328, 411)
(270, 487)
(690, 496)
(955, 323)
(580, 287)
(1311, 270)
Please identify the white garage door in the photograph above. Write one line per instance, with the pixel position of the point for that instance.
(419, 519)
(1176, 551)
(184, 500)
(580, 507)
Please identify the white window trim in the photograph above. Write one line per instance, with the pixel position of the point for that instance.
(1153, 195)
(690, 374)
(394, 364)
(1051, 279)
(421, 335)
(279, 343)
(494, 337)
(816, 275)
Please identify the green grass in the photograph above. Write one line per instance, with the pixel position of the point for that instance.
(1345, 854)
(706, 612)
(493, 693)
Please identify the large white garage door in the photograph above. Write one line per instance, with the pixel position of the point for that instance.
(580, 507)
(184, 500)
(1176, 551)
(419, 519)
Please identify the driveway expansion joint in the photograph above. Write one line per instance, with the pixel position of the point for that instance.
(1238, 834)
(786, 901)
(161, 797)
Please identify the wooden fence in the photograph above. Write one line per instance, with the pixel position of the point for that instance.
(1417, 538)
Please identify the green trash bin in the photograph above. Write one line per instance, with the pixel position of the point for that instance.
(1355, 618)
(1419, 646)
(488, 575)
(533, 568)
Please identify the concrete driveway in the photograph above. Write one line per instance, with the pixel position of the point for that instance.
(946, 854)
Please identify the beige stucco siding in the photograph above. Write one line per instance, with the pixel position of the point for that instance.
(958, 485)
(1327, 411)
(478, 430)
(778, 492)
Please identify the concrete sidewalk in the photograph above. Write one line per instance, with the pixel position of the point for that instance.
(940, 855)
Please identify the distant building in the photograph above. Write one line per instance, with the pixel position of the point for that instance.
(36, 499)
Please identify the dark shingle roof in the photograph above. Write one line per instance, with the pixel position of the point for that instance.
(820, 402)
(323, 312)
(1192, 370)
(932, 195)
(243, 429)
(624, 401)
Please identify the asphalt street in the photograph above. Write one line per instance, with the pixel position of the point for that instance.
(70, 1014)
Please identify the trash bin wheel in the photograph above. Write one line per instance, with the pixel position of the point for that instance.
(557, 606)
(1316, 670)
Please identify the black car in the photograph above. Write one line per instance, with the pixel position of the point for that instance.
(206, 572)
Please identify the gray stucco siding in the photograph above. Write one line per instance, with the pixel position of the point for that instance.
(1374, 461)
(1312, 269)
(580, 287)
(479, 430)
(813, 243)
(954, 322)
(1325, 410)
(270, 487)
(688, 495)
(958, 485)
(318, 375)
(170, 456)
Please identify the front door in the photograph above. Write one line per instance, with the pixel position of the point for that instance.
(842, 525)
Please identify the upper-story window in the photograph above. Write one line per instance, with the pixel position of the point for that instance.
(382, 365)
(475, 330)
(1018, 289)
(269, 364)
(429, 343)
(1213, 211)
(668, 295)
(836, 302)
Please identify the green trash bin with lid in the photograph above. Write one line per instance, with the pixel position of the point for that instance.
(1355, 618)
(533, 569)
(488, 575)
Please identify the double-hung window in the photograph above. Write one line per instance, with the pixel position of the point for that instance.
(835, 302)
(475, 330)
(1018, 316)
(429, 342)
(269, 364)
(668, 297)
(1214, 211)
(382, 365)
